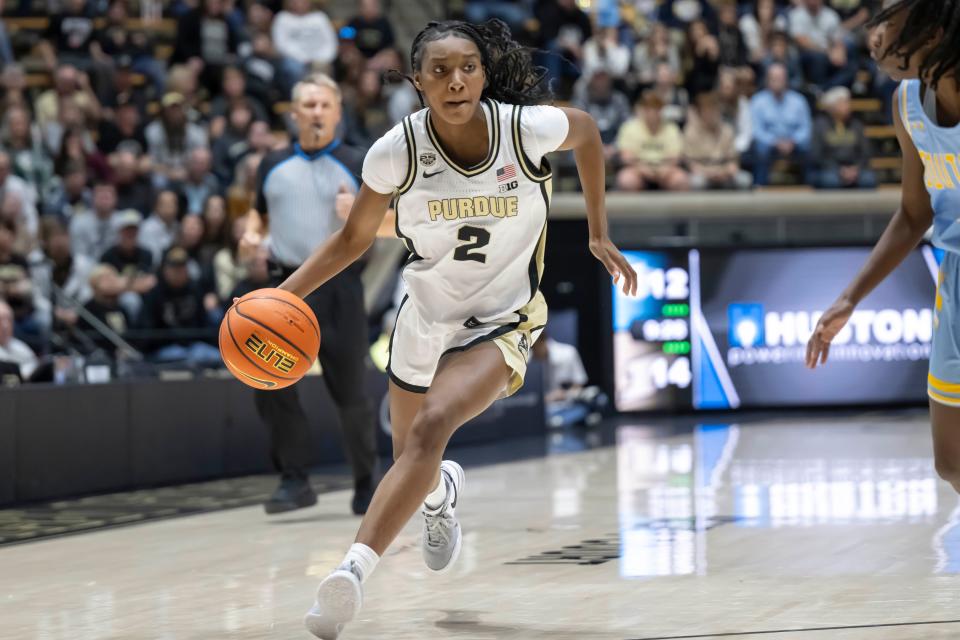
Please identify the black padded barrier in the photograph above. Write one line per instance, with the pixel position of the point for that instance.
(73, 440)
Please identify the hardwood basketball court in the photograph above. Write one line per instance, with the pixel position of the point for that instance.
(809, 529)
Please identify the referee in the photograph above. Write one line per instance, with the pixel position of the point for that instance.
(303, 192)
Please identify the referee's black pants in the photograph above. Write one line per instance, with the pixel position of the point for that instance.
(339, 307)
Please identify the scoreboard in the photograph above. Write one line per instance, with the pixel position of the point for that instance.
(652, 338)
(727, 328)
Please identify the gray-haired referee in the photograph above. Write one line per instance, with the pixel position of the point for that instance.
(303, 192)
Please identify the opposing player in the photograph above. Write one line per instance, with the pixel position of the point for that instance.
(471, 189)
(918, 43)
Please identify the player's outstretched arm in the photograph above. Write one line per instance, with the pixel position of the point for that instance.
(584, 138)
(902, 235)
(344, 246)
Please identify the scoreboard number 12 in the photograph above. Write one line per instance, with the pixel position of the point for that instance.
(670, 284)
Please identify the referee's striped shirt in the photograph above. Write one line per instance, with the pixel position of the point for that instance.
(297, 192)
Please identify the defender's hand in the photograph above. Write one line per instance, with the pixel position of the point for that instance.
(830, 324)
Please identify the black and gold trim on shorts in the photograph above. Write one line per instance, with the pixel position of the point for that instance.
(406, 386)
(492, 152)
(537, 174)
(531, 319)
(493, 335)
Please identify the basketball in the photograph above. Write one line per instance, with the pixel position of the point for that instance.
(269, 339)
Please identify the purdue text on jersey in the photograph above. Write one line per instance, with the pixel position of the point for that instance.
(477, 207)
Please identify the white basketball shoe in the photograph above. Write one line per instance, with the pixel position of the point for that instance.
(441, 531)
(339, 598)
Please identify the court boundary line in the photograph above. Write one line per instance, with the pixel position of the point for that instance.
(733, 634)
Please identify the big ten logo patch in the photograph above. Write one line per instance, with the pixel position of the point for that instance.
(506, 178)
(270, 353)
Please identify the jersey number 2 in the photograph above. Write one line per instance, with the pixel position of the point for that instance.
(476, 238)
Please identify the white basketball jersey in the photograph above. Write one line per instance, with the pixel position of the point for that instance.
(476, 235)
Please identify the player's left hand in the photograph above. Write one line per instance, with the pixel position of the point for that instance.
(829, 325)
(617, 266)
(344, 202)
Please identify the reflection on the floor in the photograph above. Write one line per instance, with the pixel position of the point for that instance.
(672, 490)
(763, 526)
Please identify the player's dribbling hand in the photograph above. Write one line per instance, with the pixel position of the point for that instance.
(830, 324)
(617, 266)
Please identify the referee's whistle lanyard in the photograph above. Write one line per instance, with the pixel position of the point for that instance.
(319, 153)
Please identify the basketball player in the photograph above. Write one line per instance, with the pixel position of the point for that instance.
(471, 190)
(918, 43)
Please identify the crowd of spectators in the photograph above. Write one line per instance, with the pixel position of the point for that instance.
(710, 94)
(125, 179)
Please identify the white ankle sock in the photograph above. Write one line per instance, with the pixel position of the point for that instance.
(364, 558)
(436, 498)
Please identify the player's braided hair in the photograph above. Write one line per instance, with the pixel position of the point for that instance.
(924, 21)
(512, 77)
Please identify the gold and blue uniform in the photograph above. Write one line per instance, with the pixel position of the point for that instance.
(939, 149)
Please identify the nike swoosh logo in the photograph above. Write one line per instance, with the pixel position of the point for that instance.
(430, 175)
(267, 384)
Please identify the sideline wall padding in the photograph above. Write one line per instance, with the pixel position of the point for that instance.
(70, 440)
(7, 447)
(246, 439)
(177, 431)
(63, 441)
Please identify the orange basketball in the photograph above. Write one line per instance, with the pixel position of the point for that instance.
(269, 339)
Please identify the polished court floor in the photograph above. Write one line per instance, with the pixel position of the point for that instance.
(808, 529)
